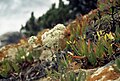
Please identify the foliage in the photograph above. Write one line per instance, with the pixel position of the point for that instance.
(92, 52)
(117, 67)
(7, 67)
(94, 39)
(82, 6)
(65, 71)
(118, 62)
(31, 27)
(63, 14)
(83, 45)
(71, 76)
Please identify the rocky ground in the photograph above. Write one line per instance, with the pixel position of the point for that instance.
(85, 50)
(36, 69)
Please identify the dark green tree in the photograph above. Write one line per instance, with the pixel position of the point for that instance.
(31, 27)
(61, 4)
(82, 6)
(62, 14)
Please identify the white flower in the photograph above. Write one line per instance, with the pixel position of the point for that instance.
(52, 36)
(27, 54)
(59, 27)
(32, 40)
(23, 57)
(51, 39)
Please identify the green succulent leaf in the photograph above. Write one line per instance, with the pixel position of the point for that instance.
(117, 61)
(92, 58)
(81, 76)
(15, 67)
(6, 68)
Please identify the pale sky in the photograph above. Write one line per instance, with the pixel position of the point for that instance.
(14, 13)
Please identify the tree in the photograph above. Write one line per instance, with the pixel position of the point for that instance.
(61, 4)
(62, 14)
(82, 6)
(31, 27)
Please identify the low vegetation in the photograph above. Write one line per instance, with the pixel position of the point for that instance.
(91, 41)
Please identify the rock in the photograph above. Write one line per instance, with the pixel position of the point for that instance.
(12, 52)
(105, 74)
(10, 37)
(46, 54)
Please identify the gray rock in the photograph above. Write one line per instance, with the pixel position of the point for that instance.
(10, 37)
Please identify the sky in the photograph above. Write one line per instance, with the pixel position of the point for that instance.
(14, 13)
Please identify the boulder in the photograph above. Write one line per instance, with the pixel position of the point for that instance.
(10, 37)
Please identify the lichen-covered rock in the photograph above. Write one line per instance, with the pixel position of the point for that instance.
(12, 52)
(8, 51)
(46, 55)
(105, 74)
